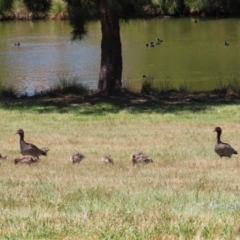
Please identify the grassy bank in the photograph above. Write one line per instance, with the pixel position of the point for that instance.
(187, 193)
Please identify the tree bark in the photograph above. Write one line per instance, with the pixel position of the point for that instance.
(110, 77)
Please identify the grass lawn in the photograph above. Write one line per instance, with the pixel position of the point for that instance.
(188, 192)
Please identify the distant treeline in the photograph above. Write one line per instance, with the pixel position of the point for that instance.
(22, 9)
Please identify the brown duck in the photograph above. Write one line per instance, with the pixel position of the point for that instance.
(27, 159)
(28, 148)
(221, 148)
(76, 157)
(141, 157)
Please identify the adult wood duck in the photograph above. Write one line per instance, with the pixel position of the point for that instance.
(27, 159)
(221, 148)
(76, 157)
(28, 148)
(141, 157)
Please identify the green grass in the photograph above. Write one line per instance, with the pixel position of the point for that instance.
(187, 193)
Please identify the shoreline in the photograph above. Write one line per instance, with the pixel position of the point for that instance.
(125, 98)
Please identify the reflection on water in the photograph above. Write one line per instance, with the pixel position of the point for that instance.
(42, 58)
(191, 54)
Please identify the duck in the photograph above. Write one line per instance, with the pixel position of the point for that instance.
(45, 149)
(226, 43)
(221, 148)
(3, 156)
(17, 44)
(27, 159)
(140, 157)
(150, 45)
(76, 157)
(159, 40)
(148, 78)
(28, 148)
(107, 158)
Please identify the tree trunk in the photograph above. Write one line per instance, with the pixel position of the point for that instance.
(110, 77)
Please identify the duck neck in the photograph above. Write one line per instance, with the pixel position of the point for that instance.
(218, 137)
(21, 136)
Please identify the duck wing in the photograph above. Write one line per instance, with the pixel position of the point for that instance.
(31, 149)
(224, 149)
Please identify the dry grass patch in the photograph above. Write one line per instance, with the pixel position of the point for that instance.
(187, 193)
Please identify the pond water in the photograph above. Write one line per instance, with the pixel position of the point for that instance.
(192, 55)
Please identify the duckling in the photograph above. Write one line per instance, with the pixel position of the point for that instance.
(221, 148)
(140, 157)
(27, 159)
(107, 158)
(76, 157)
(45, 149)
(3, 156)
(28, 148)
(226, 43)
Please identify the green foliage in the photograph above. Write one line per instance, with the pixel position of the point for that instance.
(8, 92)
(128, 8)
(68, 86)
(84, 10)
(79, 13)
(196, 4)
(5, 5)
(59, 10)
(38, 5)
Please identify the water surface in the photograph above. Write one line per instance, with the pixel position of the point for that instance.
(192, 55)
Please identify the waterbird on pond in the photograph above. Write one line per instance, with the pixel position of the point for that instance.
(76, 157)
(27, 159)
(17, 44)
(159, 40)
(28, 148)
(150, 45)
(221, 148)
(226, 43)
(107, 158)
(148, 78)
(140, 157)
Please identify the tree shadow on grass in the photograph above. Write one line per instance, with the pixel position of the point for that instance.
(100, 104)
